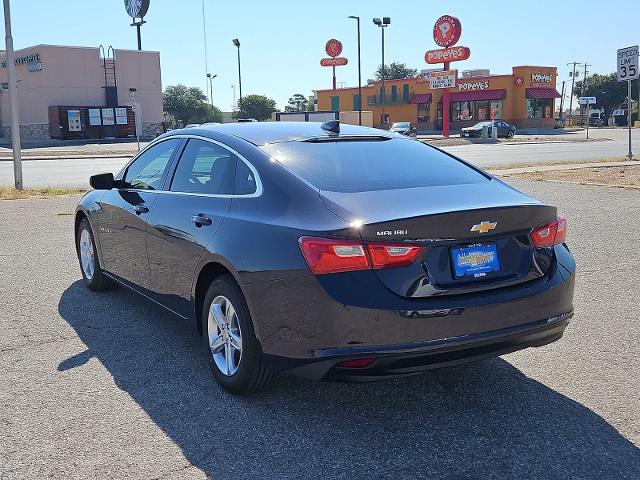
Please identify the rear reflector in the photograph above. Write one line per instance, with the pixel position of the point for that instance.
(332, 256)
(551, 233)
(356, 363)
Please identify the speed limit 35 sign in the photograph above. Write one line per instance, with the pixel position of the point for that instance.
(628, 64)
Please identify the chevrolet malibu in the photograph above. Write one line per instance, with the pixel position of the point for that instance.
(326, 251)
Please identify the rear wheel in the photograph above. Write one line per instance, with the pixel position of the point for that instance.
(228, 333)
(92, 274)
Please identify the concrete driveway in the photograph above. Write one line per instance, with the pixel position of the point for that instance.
(110, 385)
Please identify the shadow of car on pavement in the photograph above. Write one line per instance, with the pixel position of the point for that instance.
(482, 420)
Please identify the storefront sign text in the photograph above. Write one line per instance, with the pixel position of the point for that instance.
(541, 79)
(444, 79)
(453, 54)
(32, 58)
(473, 86)
(334, 61)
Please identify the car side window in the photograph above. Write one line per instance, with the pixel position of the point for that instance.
(147, 172)
(205, 167)
(245, 179)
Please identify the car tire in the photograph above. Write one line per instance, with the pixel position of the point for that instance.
(238, 371)
(92, 275)
(510, 134)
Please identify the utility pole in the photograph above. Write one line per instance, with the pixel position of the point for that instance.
(13, 98)
(562, 100)
(584, 83)
(573, 81)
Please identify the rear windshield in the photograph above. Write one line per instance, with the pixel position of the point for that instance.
(365, 165)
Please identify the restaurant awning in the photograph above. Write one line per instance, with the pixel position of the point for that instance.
(542, 93)
(421, 98)
(497, 94)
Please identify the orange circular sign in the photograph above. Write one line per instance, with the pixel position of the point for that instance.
(447, 31)
(333, 47)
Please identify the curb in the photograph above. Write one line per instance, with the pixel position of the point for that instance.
(69, 157)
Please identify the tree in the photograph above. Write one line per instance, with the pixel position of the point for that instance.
(255, 106)
(311, 104)
(188, 105)
(396, 71)
(297, 103)
(609, 92)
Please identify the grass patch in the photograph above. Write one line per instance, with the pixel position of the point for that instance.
(564, 162)
(10, 193)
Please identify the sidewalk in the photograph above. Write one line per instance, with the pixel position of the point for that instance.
(560, 167)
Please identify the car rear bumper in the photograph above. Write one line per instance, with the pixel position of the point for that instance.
(307, 324)
(410, 359)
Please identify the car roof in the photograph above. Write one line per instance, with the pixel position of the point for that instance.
(261, 133)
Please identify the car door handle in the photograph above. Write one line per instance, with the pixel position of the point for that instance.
(201, 220)
(140, 208)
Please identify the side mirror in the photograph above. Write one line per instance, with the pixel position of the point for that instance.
(103, 181)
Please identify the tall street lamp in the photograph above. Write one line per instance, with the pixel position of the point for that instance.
(385, 22)
(211, 77)
(357, 19)
(236, 42)
(13, 98)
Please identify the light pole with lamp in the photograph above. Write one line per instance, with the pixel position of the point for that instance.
(384, 23)
(236, 42)
(357, 19)
(211, 77)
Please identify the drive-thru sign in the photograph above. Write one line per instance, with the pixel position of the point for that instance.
(627, 71)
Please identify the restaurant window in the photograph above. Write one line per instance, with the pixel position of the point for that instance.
(539, 107)
(423, 112)
(482, 110)
(462, 111)
(405, 92)
(356, 102)
(394, 93)
(495, 109)
(335, 103)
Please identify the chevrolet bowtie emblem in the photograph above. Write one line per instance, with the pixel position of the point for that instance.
(484, 227)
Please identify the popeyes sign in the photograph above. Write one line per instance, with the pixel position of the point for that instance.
(446, 33)
(452, 54)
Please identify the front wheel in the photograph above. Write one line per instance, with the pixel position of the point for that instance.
(92, 274)
(510, 134)
(228, 333)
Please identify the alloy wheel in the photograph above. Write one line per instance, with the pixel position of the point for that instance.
(87, 254)
(225, 335)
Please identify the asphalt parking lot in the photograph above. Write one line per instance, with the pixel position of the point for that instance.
(109, 385)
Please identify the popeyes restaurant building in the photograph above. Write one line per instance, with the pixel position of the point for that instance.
(524, 98)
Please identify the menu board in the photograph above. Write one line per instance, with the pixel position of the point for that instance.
(121, 116)
(94, 117)
(108, 117)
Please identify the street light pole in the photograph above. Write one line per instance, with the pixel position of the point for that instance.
(385, 22)
(13, 98)
(236, 42)
(211, 77)
(357, 19)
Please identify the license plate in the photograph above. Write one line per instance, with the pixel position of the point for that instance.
(475, 260)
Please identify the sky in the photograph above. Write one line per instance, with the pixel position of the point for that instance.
(282, 41)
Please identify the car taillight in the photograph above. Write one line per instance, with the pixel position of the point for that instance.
(551, 233)
(332, 256)
(388, 255)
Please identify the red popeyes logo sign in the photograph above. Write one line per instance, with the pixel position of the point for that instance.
(333, 47)
(447, 31)
(333, 62)
(453, 54)
(518, 81)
